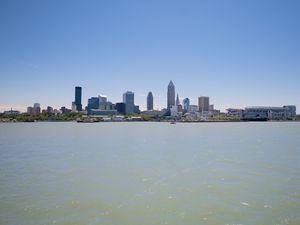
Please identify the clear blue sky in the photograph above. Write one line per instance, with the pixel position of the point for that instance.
(240, 53)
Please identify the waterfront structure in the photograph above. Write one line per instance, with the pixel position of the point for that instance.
(150, 101)
(100, 112)
(211, 108)
(203, 104)
(269, 113)
(77, 102)
(154, 113)
(186, 104)
(128, 99)
(12, 112)
(171, 95)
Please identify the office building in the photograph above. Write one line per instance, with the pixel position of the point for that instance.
(177, 100)
(173, 111)
(49, 110)
(37, 108)
(203, 104)
(186, 104)
(78, 98)
(171, 95)
(93, 103)
(128, 99)
(65, 110)
(74, 107)
(30, 110)
(150, 101)
(121, 107)
(193, 108)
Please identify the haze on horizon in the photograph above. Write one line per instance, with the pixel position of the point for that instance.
(240, 53)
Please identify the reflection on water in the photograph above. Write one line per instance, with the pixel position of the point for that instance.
(150, 173)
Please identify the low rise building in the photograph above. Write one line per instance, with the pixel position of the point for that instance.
(12, 112)
(103, 112)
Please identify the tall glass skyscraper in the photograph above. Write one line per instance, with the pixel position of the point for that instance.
(128, 99)
(186, 104)
(171, 95)
(78, 98)
(150, 101)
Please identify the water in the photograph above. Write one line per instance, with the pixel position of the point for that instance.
(150, 173)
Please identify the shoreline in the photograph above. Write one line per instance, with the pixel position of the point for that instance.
(204, 121)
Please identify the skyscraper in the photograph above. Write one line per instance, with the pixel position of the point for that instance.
(150, 101)
(171, 95)
(78, 98)
(128, 99)
(177, 100)
(93, 103)
(186, 104)
(203, 104)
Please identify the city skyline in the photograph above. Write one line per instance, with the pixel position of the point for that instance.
(238, 53)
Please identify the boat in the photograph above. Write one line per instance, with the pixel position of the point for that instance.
(173, 122)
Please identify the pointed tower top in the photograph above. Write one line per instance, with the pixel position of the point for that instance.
(171, 83)
(177, 100)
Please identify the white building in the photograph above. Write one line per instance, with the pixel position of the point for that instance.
(173, 111)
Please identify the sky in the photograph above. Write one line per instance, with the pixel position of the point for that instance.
(239, 53)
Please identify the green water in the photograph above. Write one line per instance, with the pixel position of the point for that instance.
(150, 173)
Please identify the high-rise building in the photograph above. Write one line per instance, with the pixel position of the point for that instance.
(102, 99)
(121, 107)
(128, 99)
(290, 111)
(49, 110)
(186, 104)
(78, 98)
(171, 95)
(177, 100)
(93, 103)
(203, 104)
(150, 101)
(102, 102)
(37, 108)
(30, 110)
